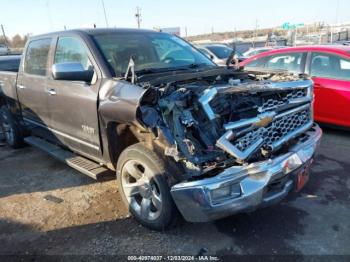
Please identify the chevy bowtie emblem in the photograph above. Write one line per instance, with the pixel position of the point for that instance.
(264, 119)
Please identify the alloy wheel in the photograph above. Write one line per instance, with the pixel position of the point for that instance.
(141, 190)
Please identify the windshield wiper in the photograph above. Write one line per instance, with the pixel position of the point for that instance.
(149, 71)
(201, 65)
(159, 70)
(154, 70)
(131, 69)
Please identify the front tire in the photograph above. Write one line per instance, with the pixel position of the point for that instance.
(143, 187)
(13, 135)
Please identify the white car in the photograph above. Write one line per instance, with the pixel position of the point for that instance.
(219, 53)
(4, 50)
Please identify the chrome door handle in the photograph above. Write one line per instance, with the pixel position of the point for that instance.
(52, 92)
(21, 87)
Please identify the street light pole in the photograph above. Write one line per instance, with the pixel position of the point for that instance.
(336, 20)
(256, 32)
(138, 17)
(49, 14)
(104, 11)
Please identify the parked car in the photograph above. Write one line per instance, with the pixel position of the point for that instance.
(219, 53)
(343, 43)
(329, 67)
(4, 50)
(179, 132)
(259, 50)
(10, 63)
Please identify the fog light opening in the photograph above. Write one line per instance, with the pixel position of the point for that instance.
(291, 164)
(226, 192)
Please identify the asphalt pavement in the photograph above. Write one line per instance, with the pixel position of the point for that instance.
(47, 208)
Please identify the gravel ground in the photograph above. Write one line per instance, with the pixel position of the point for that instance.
(48, 208)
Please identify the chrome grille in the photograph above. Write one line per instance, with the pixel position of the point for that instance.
(273, 103)
(259, 115)
(276, 130)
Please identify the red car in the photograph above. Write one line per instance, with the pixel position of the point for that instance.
(329, 67)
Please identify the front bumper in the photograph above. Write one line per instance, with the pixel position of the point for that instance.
(256, 183)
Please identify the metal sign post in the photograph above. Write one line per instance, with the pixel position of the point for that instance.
(3, 33)
(289, 26)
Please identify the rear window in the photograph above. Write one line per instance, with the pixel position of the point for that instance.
(221, 52)
(35, 62)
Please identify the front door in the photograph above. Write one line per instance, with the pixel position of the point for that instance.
(331, 76)
(73, 104)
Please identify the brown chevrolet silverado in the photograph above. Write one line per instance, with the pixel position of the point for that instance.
(182, 135)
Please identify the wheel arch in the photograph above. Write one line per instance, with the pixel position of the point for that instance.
(120, 136)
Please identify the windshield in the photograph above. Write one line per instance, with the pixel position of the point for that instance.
(150, 51)
(220, 52)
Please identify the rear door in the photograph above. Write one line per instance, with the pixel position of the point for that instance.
(331, 75)
(31, 82)
(73, 104)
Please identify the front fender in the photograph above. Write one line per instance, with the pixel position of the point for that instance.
(119, 101)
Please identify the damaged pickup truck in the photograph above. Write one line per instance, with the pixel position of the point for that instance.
(182, 135)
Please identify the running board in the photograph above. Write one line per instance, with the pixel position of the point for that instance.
(82, 164)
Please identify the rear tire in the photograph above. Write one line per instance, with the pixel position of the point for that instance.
(143, 187)
(12, 131)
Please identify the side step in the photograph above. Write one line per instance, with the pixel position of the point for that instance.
(82, 164)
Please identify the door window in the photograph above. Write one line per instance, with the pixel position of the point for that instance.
(70, 49)
(330, 66)
(35, 62)
(257, 63)
(291, 62)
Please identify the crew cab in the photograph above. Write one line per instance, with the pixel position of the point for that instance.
(181, 134)
(329, 68)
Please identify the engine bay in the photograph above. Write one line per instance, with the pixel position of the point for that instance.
(220, 121)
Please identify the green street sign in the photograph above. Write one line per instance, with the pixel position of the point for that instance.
(288, 26)
(285, 26)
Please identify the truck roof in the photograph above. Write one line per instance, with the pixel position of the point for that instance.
(95, 31)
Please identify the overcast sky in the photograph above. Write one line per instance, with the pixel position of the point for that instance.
(199, 16)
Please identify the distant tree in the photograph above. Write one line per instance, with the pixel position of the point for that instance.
(25, 38)
(17, 41)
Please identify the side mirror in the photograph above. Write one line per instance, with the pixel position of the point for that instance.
(71, 71)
